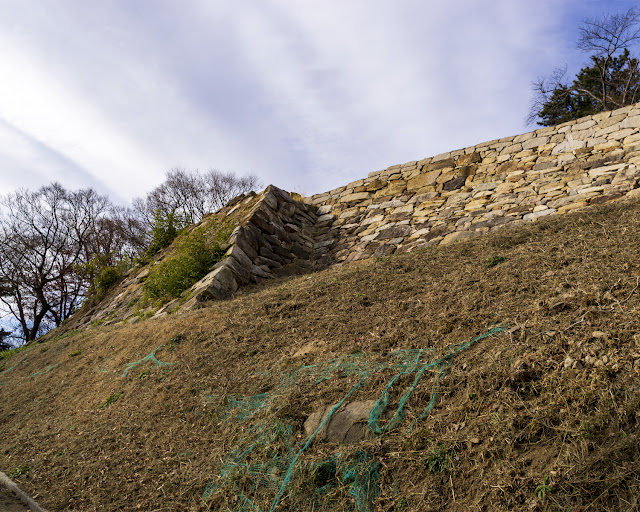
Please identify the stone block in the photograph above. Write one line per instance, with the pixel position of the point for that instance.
(471, 158)
(393, 189)
(393, 232)
(631, 122)
(537, 215)
(534, 143)
(375, 185)
(568, 145)
(459, 236)
(423, 180)
(355, 197)
(620, 134)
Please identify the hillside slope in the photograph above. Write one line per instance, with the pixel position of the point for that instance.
(209, 410)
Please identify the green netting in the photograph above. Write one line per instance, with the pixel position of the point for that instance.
(46, 370)
(265, 466)
(11, 368)
(151, 357)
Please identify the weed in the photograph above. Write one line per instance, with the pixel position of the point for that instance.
(175, 341)
(586, 430)
(65, 335)
(437, 460)
(194, 255)
(542, 489)
(143, 375)
(19, 471)
(113, 398)
(401, 505)
(74, 353)
(6, 354)
(493, 261)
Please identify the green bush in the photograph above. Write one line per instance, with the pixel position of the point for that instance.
(164, 230)
(102, 274)
(194, 255)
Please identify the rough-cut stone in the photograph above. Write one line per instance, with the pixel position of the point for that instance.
(568, 145)
(423, 180)
(538, 214)
(451, 197)
(459, 236)
(393, 232)
(346, 426)
(355, 197)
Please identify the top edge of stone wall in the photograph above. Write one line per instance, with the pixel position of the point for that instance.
(615, 117)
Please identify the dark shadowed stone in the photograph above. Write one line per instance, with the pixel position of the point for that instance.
(262, 221)
(270, 255)
(347, 426)
(384, 250)
(454, 184)
(471, 158)
(449, 162)
(375, 185)
(283, 252)
(498, 221)
(299, 251)
(394, 232)
(604, 199)
(507, 167)
(246, 248)
(272, 264)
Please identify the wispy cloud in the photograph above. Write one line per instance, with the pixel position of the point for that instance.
(307, 95)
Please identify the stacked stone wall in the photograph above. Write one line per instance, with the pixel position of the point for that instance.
(462, 194)
(439, 200)
(276, 237)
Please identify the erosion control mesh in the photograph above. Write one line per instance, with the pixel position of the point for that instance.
(151, 358)
(266, 469)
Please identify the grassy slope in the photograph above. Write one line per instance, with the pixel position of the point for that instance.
(517, 425)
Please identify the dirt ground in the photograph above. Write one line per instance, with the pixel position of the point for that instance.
(192, 412)
(9, 502)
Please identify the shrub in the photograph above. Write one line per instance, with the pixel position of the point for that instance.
(164, 230)
(102, 274)
(194, 255)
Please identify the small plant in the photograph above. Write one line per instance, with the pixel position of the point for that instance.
(74, 353)
(6, 354)
(113, 398)
(143, 375)
(542, 489)
(194, 255)
(493, 261)
(586, 430)
(437, 460)
(19, 471)
(401, 505)
(175, 341)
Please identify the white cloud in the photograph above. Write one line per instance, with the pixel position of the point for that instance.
(309, 95)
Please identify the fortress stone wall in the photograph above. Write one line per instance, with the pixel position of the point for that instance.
(467, 192)
(438, 200)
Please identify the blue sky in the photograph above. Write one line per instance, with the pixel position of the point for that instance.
(307, 95)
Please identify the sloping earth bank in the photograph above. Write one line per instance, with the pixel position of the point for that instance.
(542, 415)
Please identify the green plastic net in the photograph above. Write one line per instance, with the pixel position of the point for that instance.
(266, 471)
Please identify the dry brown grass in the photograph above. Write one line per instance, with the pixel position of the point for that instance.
(512, 410)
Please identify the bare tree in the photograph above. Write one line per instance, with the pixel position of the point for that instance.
(186, 196)
(44, 236)
(221, 187)
(4, 344)
(611, 81)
